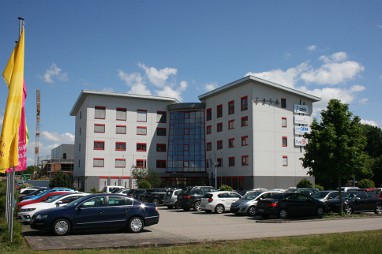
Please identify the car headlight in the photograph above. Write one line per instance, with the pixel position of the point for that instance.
(41, 216)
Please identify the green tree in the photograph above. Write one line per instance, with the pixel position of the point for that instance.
(225, 187)
(148, 175)
(366, 183)
(304, 183)
(336, 146)
(374, 150)
(60, 179)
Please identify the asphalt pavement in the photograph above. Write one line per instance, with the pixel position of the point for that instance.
(177, 227)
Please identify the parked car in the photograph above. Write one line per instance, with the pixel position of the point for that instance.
(30, 191)
(97, 211)
(26, 212)
(112, 188)
(190, 197)
(358, 201)
(123, 191)
(43, 192)
(307, 191)
(325, 195)
(218, 201)
(137, 193)
(171, 198)
(154, 195)
(40, 198)
(284, 205)
(247, 204)
(351, 188)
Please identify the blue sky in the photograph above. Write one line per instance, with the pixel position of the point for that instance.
(331, 49)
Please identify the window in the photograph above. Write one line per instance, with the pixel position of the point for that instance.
(244, 103)
(231, 124)
(161, 132)
(120, 129)
(98, 162)
(186, 131)
(231, 161)
(119, 201)
(244, 160)
(141, 130)
(209, 129)
(231, 142)
(284, 122)
(161, 164)
(186, 147)
(141, 115)
(100, 112)
(99, 145)
(283, 103)
(219, 127)
(141, 147)
(120, 163)
(121, 114)
(219, 162)
(284, 141)
(209, 146)
(120, 146)
(99, 128)
(161, 148)
(244, 140)
(140, 163)
(209, 114)
(219, 111)
(244, 121)
(285, 160)
(161, 117)
(219, 144)
(231, 107)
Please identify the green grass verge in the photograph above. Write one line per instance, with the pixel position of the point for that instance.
(355, 242)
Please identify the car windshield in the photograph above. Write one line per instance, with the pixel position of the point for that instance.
(251, 195)
(320, 194)
(53, 198)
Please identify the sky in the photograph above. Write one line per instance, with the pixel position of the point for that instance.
(331, 49)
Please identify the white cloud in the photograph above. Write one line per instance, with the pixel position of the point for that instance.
(54, 73)
(176, 93)
(210, 86)
(158, 77)
(311, 48)
(369, 122)
(135, 81)
(64, 138)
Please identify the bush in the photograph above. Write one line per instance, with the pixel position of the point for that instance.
(305, 183)
(143, 183)
(366, 183)
(60, 179)
(225, 188)
(319, 187)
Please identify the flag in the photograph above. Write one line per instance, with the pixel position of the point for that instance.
(14, 78)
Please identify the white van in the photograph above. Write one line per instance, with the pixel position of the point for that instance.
(112, 188)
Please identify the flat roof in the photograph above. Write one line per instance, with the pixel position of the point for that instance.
(84, 93)
(250, 78)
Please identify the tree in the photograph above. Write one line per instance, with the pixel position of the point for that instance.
(374, 151)
(304, 183)
(335, 148)
(151, 178)
(225, 188)
(366, 183)
(60, 179)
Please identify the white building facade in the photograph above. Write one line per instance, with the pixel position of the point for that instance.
(253, 137)
(254, 133)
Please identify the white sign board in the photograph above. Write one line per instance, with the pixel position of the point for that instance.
(301, 130)
(300, 141)
(301, 120)
(301, 109)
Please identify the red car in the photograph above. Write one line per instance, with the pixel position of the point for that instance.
(41, 198)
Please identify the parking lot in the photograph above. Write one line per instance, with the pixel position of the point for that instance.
(177, 227)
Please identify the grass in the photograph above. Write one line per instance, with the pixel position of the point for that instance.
(355, 242)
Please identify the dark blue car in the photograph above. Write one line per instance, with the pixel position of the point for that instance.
(97, 211)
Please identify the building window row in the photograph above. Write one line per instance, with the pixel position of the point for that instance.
(230, 106)
(121, 146)
(121, 114)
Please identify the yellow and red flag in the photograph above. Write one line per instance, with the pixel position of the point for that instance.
(14, 77)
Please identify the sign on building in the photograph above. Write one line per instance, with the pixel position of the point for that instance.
(301, 130)
(301, 109)
(300, 141)
(301, 119)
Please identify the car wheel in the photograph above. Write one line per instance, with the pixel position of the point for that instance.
(251, 211)
(283, 214)
(378, 209)
(320, 212)
(156, 201)
(219, 209)
(197, 206)
(348, 210)
(61, 227)
(136, 224)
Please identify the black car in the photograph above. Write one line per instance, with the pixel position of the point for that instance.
(357, 201)
(190, 197)
(154, 195)
(97, 211)
(284, 205)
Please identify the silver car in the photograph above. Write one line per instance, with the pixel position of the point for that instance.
(247, 204)
(170, 199)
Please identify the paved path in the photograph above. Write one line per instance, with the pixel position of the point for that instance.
(177, 227)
